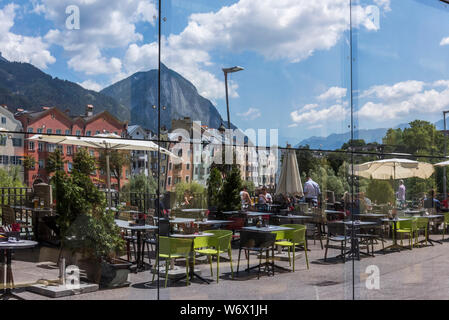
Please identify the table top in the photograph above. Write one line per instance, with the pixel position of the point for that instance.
(370, 215)
(231, 212)
(187, 236)
(293, 217)
(194, 210)
(333, 211)
(125, 225)
(431, 216)
(357, 223)
(413, 211)
(31, 209)
(22, 244)
(179, 220)
(267, 229)
(131, 211)
(256, 214)
(212, 222)
(396, 219)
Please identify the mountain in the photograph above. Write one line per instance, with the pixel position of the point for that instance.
(179, 96)
(25, 86)
(336, 140)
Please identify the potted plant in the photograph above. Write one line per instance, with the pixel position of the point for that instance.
(87, 232)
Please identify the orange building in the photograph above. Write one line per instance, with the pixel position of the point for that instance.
(54, 121)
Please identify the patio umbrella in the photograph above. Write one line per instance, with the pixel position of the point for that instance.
(393, 169)
(442, 164)
(290, 180)
(107, 142)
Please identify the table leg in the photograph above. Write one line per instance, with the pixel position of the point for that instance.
(9, 279)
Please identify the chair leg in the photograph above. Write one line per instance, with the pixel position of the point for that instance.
(218, 266)
(166, 272)
(210, 263)
(230, 259)
(325, 252)
(248, 259)
(294, 256)
(305, 252)
(260, 261)
(238, 262)
(154, 269)
(187, 270)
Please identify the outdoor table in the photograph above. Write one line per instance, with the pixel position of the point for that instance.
(354, 251)
(179, 220)
(429, 218)
(212, 222)
(254, 214)
(231, 212)
(291, 218)
(140, 265)
(413, 212)
(269, 229)
(36, 213)
(6, 248)
(395, 245)
(193, 274)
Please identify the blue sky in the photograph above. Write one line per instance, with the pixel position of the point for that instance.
(295, 54)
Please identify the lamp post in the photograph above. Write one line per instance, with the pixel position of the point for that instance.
(445, 154)
(226, 71)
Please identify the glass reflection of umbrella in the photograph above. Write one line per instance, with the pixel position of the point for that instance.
(393, 169)
(290, 180)
(107, 142)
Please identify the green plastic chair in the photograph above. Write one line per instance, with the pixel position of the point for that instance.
(421, 225)
(214, 245)
(445, 223)
(291, 239)
(407, 227)
(173, 248)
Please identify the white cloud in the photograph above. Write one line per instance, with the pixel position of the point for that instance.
(406, 98)
(251, 114)
(20, 48)
(396, 91)
(104, 25)
(291, 30)
(334, 93)
(385, 4)
(315, 117)
(444, 42)
(91, 85)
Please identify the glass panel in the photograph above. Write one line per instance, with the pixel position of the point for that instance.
(75, 70)
(265, 78)
(400, 89)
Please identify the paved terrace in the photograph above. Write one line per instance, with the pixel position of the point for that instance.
(418, 274)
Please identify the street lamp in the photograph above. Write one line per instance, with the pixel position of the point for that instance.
(445, 154)
(226, 71)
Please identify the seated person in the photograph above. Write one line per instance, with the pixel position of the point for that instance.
(430, 201)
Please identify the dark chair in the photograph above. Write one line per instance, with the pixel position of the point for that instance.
(237, 224)
(151, 237)
(260, 242)
(337, 233)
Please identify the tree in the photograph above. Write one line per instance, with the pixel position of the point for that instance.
(214, 185)
(230, 192)
(118, 161)
(306, 160)
(28, 163)
(55, 162)
(380, 191)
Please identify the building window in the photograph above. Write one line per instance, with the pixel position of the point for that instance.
(170, 166)
(30, 130)
(31, 145)
(188, 166)
(92, 153)
(187, 179)
(41, 147)
(3, 120)
(3, 159)
(78, 132)
(69, 167)
(180, 153)
(3, 139)
(51, 147)
(58, 131)
(97, 132)
(88, 133)
(69, 150)
(169, 181)
(41, 164)
(16, 142)
(61, 148)
(163, 169)
(67, 132)
(39, 130)
(15, 160)
(49, 131)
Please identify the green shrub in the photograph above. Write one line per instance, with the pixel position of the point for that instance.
(380, 191)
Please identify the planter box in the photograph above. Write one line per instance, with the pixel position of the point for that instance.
(115, 275)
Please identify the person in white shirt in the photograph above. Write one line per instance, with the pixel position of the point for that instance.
(311, 191)
(268, 197)
(401, 194)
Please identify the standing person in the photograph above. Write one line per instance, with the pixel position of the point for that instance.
(262, 197)
(311, 191)
(246, 199)
(401, 194)
(268, 197)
